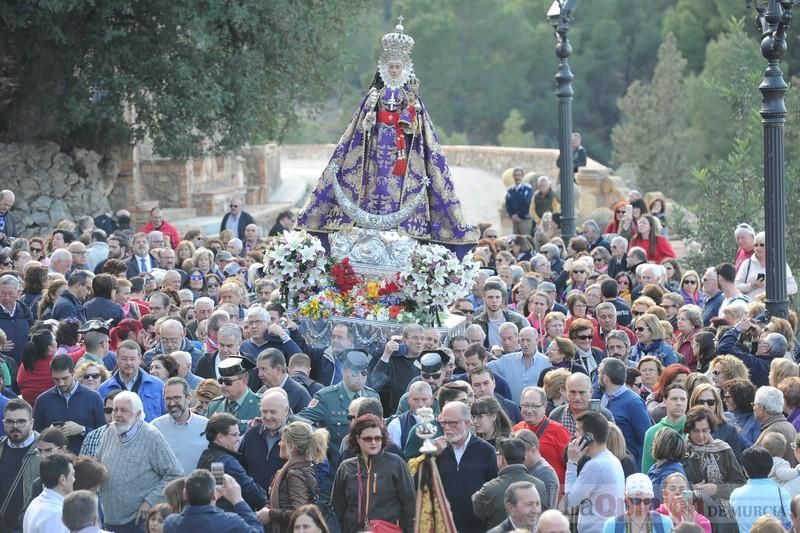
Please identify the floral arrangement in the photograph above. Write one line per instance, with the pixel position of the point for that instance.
(297, 261)
(436, 277)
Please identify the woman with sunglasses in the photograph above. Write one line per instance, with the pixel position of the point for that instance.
(650, 334)
(213, 284)
(36, 247)
(711, 468)
(578, 275)
(91, 375)
(625, 285)
(374, 486)
(690, 289)
(750, 277)
(638, 517)
(707, 395)
(619, 212)
(676, 506)
(600, 257)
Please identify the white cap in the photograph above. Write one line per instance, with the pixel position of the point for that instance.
(639, 485)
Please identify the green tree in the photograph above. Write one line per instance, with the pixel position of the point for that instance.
(651, 134)
(513, 134)
(190, 75)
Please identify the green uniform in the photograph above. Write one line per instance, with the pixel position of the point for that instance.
(249, 409)
(328, 409)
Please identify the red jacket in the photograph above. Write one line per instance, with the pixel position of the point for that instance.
(167, 229)
(552, 443)
(32, 384)
(663, 248)
(599, 341)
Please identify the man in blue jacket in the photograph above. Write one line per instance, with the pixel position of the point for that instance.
(70, 303)
(628, 408)
(15, 318)
(518, 204)
(268, 332)
(770, 346)
(130, 376)
(201, 513)
(69, 405)
(273, 372)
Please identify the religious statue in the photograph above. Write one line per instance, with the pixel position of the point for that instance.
(388, 171)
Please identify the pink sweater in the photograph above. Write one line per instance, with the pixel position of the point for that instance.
(699, 519)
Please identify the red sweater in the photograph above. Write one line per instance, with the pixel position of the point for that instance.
(33, 383)
(663, 248)
(167, 229)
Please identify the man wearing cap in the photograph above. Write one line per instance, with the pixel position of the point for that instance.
(328, 408)
(272, 372)
(237, 398)
(638, 498)
(431, 365)
(95, 339)
(131, 376)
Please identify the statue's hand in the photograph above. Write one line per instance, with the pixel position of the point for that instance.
(372, 99)
(369, 121)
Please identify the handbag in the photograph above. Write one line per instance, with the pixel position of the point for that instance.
(374, 526)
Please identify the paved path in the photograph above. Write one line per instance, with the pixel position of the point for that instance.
(480, 192)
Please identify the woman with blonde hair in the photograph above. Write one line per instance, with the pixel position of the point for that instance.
(203, 259)
(727, 367)
(708, 396)
(295, 484)
(690, 288)
(207, 390)
(780, 369)
(185, 250)
(651, 336)
(55, 289)
(555, 385)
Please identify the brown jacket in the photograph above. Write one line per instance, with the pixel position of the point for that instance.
(294, 485)
(779, 424)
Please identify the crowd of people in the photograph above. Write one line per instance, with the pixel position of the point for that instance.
(152, 382)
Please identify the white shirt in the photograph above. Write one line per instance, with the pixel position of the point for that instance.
(44, 514)
(459, 451)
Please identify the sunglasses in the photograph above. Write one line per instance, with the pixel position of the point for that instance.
(620, 212)
(431, 376)
(579, 272)
(377, 438)
(710, 403)
(212, 285)
(36, 250)
(467, 311)
(8, 263)
(234, 205)
(598, 259)
(92, 376)
(227, 381)
(350, 418)
(690, 282)
(108, 410)
(637, 313)
(760, 244)
(640, 328)
(584, 337)
(638, 385)
(196, 278)
(640, 501)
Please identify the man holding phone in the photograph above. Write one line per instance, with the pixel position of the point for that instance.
(599, 489)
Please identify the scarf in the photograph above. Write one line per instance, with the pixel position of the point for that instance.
(274, 488)
(212, 345)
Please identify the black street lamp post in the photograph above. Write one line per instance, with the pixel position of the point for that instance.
(559, 16)
(773, 19)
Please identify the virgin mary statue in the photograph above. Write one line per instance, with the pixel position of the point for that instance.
(388, 170)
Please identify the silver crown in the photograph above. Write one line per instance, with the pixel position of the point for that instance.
(397, 46)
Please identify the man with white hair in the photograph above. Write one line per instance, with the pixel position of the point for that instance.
(235, 247)
(8, 225)
(522, 368)
(15, 317)
(552, 521)
(203, 308)
(252, 238)
(594, 235)
(173, 339)
(475, 333)
(768, 412)
(156, 240)
(619, 256)
(420, 394)
(713, 294)
(266, 333)
(141, 463)
(184, 360)
(770, 346)
(60, 261)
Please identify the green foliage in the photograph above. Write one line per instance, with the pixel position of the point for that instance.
(190, 75)
(651, 134)
(513, 134)
(457, 138)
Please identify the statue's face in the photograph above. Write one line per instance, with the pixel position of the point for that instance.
(395, 69)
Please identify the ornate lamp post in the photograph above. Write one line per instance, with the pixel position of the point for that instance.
(559, 15)
(772, 19)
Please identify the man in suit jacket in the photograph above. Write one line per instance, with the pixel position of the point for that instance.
(466, 462)
(141, 261)
(523, 508)
(8, 226)
(236, 219)
(272, 372)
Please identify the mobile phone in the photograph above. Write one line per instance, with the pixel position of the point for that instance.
(58, 424)
(629, 210)
(401, 350)
(594, 405)
(688, 496)
(218, 471)
(587, 439)
(760, 277)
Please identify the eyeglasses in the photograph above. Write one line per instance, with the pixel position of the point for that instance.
(490, 236)
(584, 337)
(108, 410)
(227, 381)
(760, 244)
(467, 311)
(637, 385)
(690, 282)
(641, 328)
(710, 403)
(620, 212)
(437, 375)
(234, 205)
(449, 423)
(640, 501)
(376, 438)
(17, 422)
(234, 434)
(37, 250)
(598, 259)
(531, 406)
(92, 376)
(578, 272)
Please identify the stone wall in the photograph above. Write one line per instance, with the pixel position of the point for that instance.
(51, 186)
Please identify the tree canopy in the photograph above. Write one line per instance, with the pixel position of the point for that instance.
(190, 75)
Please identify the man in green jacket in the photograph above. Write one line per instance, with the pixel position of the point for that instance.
(675, 402)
